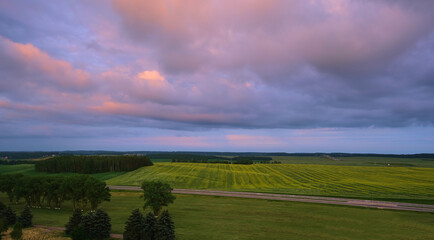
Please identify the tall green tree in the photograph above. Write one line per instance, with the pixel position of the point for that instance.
(157, 194)
(96, 192)
(134, 226)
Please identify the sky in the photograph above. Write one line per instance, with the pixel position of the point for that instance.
(217, 75)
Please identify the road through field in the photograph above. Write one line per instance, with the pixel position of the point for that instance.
(299, 198)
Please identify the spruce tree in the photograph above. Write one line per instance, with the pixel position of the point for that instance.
(3, 225)
(10, 215)
(26, 217)
(74, 221)
(165, 227)
(2, 206)
(102, 224)
(134, 226)
(150, 223)
(87, 223)
(17, 232)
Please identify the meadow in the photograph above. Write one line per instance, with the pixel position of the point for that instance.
(307, 179)
(29, 169)
(207, 217)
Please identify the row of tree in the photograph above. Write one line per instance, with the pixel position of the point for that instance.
(149, 227)
(92, 225)
(92, 164)
(52, 191)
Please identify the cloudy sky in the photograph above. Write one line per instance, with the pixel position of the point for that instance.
(245, 75)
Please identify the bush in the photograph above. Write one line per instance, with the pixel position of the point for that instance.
(17, 232)
(165, 229)
(74, 221)
(26, 217)
(148, 232)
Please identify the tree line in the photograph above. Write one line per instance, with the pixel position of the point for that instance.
(52, 191)
(92, 164)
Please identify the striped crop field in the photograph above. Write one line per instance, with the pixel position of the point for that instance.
(350, 181)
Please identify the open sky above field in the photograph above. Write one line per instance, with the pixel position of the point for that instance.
(293, 76)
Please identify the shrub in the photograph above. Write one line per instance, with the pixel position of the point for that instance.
(26, 217)
(17, 232)
(134, 226)
(165, 229)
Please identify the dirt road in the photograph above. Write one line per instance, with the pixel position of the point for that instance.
(298, 198)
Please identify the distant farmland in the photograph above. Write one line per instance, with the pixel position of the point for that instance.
(349, 181)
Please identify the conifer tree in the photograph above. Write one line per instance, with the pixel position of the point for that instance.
(87, 223)
(17, 232)
(165, 229)
(134, 226)
(26, 217)
(10, 215)
(102, 224)
(3, 226)
(74, 221)
(150, 223)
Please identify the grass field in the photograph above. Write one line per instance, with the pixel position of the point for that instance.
(29, 169)
(353, 181)
(357, 161)
(206, 217)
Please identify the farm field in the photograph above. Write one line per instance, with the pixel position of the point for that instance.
(200, 217)
(357, 161)
(306, 179)
(29, 169)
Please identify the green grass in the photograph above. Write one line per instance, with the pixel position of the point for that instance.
(350, 181)
(29, 169)
(357, 161)
(206, 217)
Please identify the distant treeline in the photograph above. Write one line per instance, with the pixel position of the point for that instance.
(214, 159)
(15, 162)
(92, 164)
(186, 157)
(51, 191)
(162, 154)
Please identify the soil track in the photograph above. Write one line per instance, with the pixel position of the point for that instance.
(51, 228)
(299, 198)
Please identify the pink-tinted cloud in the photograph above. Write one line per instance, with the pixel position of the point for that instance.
(270, 36)
(34, 66)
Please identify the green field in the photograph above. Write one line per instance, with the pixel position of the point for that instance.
(357, 161)
(206, 217)
(29, 169)
(351, 181)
